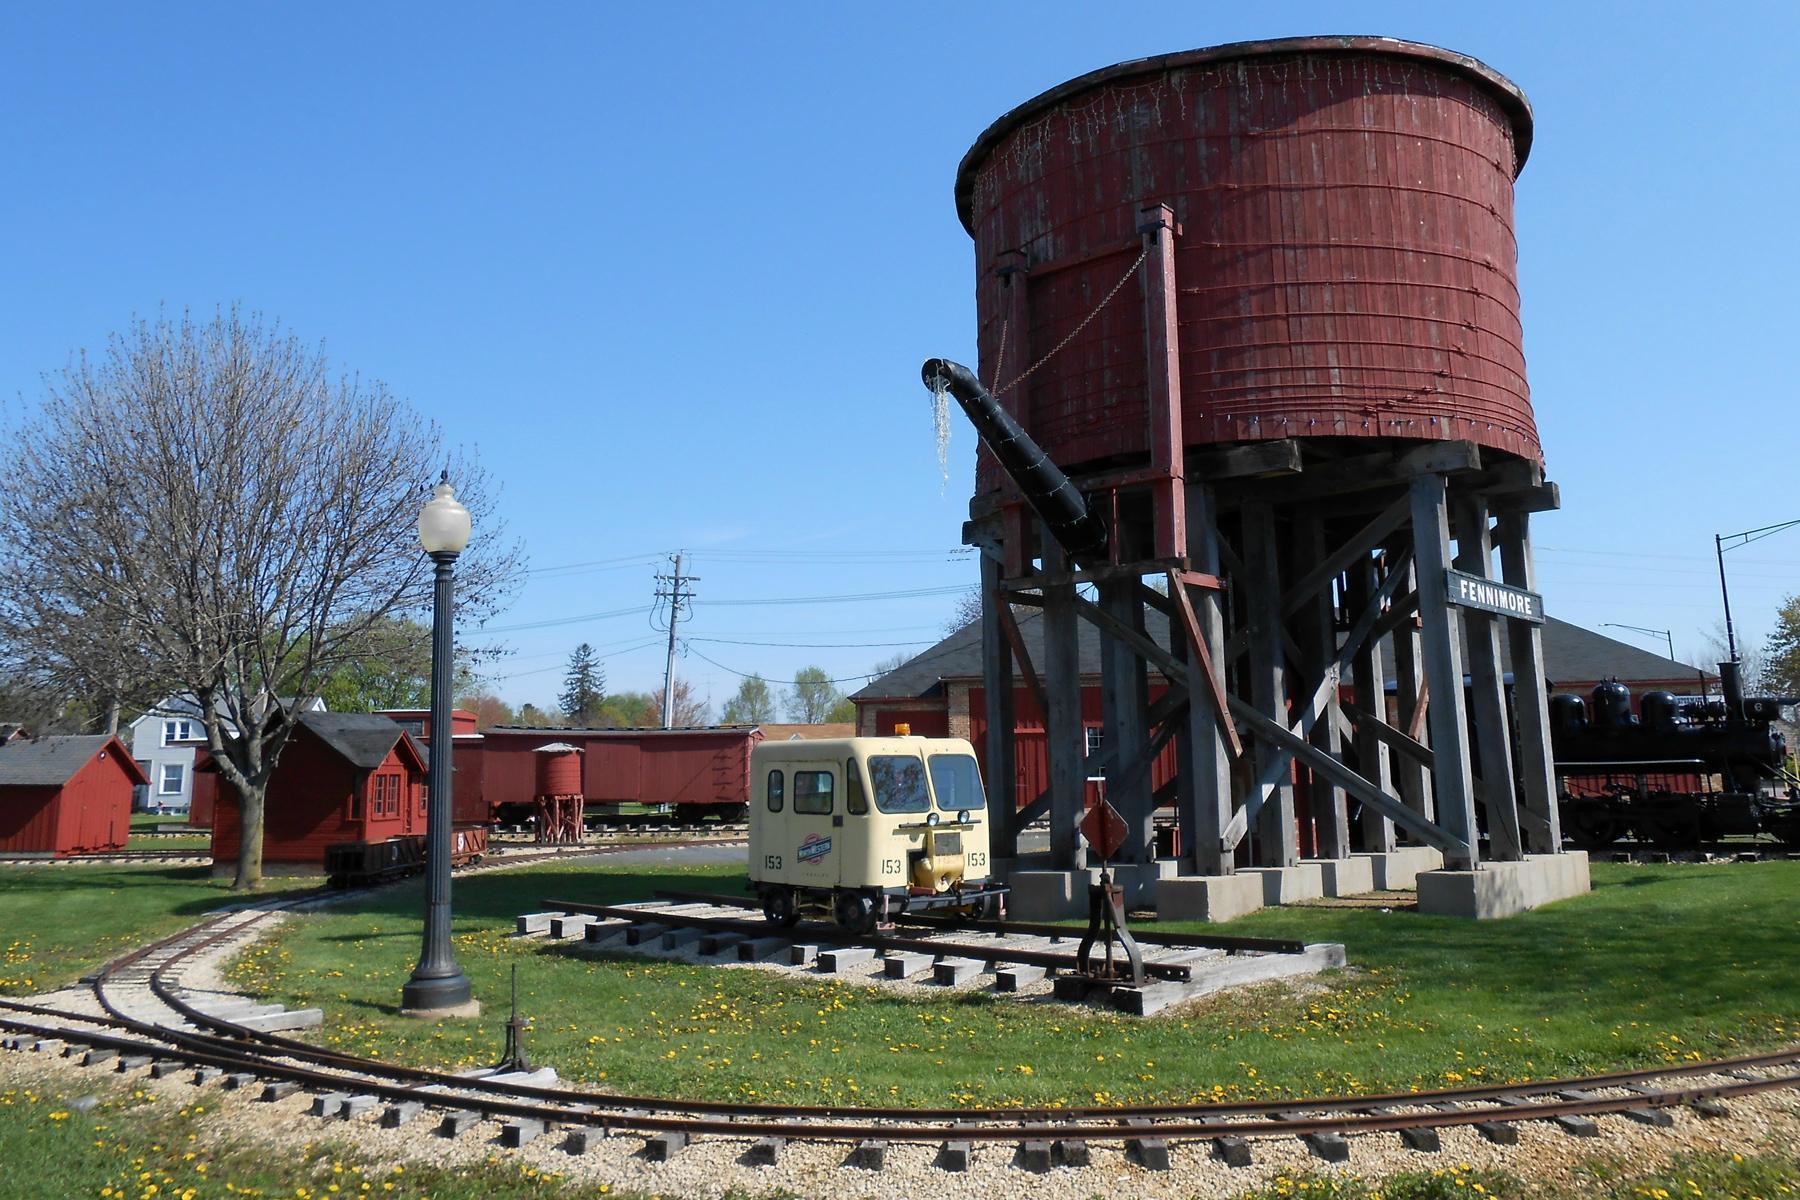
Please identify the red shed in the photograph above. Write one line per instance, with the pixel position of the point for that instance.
(343, 777)
(66, 795)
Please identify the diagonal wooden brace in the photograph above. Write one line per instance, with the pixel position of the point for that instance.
(1190, 623)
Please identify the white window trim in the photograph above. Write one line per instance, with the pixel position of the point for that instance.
(162, 779)
(176, 730)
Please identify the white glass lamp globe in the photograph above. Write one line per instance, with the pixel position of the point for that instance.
(443, 522)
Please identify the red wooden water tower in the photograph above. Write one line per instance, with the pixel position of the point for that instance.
(559, 796)
(1259, 305)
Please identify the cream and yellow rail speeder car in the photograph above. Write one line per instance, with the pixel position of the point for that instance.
(869, 826)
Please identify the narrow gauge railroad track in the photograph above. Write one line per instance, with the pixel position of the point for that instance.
(180, 1034)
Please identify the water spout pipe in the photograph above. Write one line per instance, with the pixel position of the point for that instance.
(1049, 492)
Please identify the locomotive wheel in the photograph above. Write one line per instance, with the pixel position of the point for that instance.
(855, 912)
(1591, 827)
(1672, 830)
(780, 907)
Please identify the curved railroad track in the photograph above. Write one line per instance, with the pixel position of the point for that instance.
(147, 1012)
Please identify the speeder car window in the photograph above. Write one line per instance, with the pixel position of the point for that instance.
(899, 784)
(956, 782)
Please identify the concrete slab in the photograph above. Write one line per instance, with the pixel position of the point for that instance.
(675, 939)
(1016, 977)
(951, 972)
(1139, 881)
(803, 954)
(1396, 870)
(1048, 895)
(1503, 889)
(401, 1113)
(639, 935)
(836, 962)
(905, 964)
(531, 924)
(720, 943)
(570, 926)
(300, 1018)
(1285, 885)
(1208, 897)
(758, 949)
(1344, 876)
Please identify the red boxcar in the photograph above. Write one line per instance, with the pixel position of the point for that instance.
(342, 777)
(695, 771)
(67, 794)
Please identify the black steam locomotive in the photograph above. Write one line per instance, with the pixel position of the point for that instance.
(1680, 773)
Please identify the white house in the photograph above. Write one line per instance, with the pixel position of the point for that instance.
(163, 742)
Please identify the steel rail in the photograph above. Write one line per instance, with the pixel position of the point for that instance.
(919, 1132)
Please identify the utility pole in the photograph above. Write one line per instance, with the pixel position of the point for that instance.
(674, 589)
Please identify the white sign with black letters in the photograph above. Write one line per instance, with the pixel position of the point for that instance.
(1503, 599)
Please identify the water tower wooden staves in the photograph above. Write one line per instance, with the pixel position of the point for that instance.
(1259, 305)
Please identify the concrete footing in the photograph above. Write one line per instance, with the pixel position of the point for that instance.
(1396, 870)
(1502, 889)
(1059, 895)
(1344, 876)
(1285, 885)
(1208, 897)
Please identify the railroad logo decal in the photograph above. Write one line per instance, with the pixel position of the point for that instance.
(813, 849)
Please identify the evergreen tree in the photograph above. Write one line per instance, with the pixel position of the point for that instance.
(584, 687)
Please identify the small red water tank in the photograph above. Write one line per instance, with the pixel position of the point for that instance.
(559, 770)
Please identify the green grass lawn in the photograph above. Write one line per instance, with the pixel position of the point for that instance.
(170, 841)
(1658, 964)
(133, 1144)
(58, 922)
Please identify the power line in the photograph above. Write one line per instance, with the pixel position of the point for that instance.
(553, 621)
(905, 594)
(809, 645)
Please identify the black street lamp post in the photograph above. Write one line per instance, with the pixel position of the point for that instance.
(438, 985)
(1736, 540)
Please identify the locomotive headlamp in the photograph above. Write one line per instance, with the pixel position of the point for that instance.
(962, 818)
(931, 819)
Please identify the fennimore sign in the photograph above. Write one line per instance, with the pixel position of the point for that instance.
(1471, 591)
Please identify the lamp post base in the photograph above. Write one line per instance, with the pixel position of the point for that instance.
(438, 996)
(468, 1008)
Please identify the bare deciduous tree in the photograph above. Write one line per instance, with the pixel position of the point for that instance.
(206, 508)
(690, 711)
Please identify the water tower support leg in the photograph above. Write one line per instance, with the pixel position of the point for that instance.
(1487, 687)
(1317, 620)
(1277, 839)
(1410, 777)
(1204, 807)
(1124, 698)
(997, 681)
(1066, 741)
(1369, 683)
(1531, 696)
(1443, 668)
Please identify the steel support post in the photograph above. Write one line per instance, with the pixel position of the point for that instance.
(1531, 693)
(1204, 798)
(1064, 736)
(438, 983)
(1277, 839)
(1487, 688)
(1411, 779)
(1443, 668)
(997, 682)
(1369, 683)
(1125, 709)
(1317, 620)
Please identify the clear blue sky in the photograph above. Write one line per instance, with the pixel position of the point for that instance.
(672, 269)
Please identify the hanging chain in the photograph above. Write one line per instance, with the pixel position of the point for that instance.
(1075, 332)
(1000, 358)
